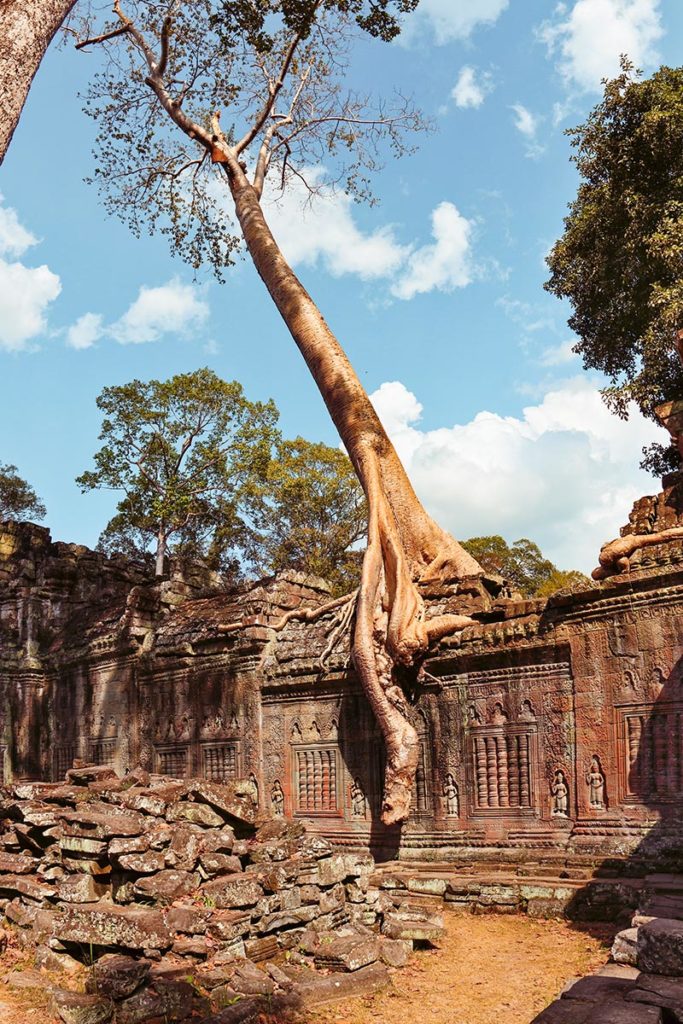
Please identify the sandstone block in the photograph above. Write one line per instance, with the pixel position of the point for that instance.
(230, 891)
(75, 1008)
(198, 814)
(624, 946)
(116, 976)
(660, 947)
(101, 925)
(167, 885)
(142, 863)
(346, 953)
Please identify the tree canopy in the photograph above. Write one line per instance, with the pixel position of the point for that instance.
(18, 500)
(524, 566)
(315, 514)
(190, 454)
(620, 259)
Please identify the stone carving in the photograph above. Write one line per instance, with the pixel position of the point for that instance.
(358, 801)
(503, 770)
(595, 780)
(560, 794)
(253, 789)
(526, 711)
(277, 799)
(450, 792)
(498, 716)
(316, 779)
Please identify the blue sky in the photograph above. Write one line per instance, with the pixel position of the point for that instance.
(436, 292)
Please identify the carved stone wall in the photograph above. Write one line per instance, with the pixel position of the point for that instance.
(551, 724)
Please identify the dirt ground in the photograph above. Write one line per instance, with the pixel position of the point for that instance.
(489, 970)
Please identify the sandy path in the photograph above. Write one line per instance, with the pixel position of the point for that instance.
(489, 970)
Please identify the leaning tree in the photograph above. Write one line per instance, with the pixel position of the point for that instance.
(26, 31)
(201, 104)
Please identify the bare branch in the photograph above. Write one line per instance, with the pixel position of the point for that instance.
(121, 30)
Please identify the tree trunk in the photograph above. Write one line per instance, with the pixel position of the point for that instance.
(405, 545)
(160, 558)
(26, 30)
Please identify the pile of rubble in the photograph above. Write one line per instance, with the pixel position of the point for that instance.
(159, 897)
(644, 982)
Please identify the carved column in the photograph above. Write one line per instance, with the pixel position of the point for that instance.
(503, 781)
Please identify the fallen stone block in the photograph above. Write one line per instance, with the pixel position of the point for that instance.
(146, 863)
(656, 990)
(660, 947)
(189, 920)
(80, 888)
(103, 822)
(116, 976)
(413, 924)
(170, 1000)
(624, 947)
(77, 1008)
(597, 988)
(89, 773)
(198, 814)
(317, 988)
(235, 800)
(17, 864)
(101, 925)
(167, 886)
(346, 953)
(395, 952)
(230, 891)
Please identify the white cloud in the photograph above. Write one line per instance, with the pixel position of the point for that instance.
(323, 232)
(320, 231)
(472, 87)
(563, 474)
(558, 355)
(86, 331)
(527, 124)
(15, 239)
(172, 308)
(444, 265)
(589, 39)
(448, 20)
(25, 292)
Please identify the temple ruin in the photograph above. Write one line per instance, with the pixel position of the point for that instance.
(552, 725)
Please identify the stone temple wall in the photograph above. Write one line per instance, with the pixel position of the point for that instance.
(554, 725)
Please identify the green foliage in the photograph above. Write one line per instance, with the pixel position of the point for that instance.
(524, 566)
(620, 260)
(191, 455)
(315, 514)
(18, 500)
(206, 475)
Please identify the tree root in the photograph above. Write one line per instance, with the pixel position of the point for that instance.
(615, 556)
(304, 614)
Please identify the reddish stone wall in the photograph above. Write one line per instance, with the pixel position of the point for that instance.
(550, 725)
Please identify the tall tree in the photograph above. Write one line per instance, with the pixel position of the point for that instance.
(165, 156)
(315, 514)
(190, 454)
(524, 566)
(620, 259)
(18, 500)
(27, 28)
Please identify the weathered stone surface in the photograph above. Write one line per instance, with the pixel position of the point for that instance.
(227, 925)
(190, 920)
(317, 988)
(81, 888)
(395, 952)
(346, 952)
(90, 773)
(17, 864)
(230, 891)
(219, 864)
(167, 886)
(75, 1008)
(230, 799)
(655, 990)
(165, 999)
(660, 947)
(598, 989)
(102, 925)
(414, 924)
(198, 814)
(101, 823)
(116, 976)
(142, 863)
(624, 947)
